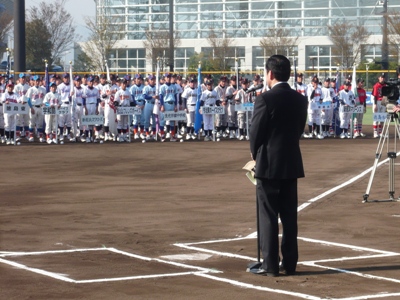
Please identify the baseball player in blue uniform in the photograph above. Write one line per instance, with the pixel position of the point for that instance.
(149, 94)
(168, 101)
(138, 97)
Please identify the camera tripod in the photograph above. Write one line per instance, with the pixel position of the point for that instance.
(391, 118)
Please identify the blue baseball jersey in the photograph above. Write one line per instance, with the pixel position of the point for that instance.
(168, 93)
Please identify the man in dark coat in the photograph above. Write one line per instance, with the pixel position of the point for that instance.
(277, 125)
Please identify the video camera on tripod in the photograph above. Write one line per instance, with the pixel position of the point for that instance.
(392, 90)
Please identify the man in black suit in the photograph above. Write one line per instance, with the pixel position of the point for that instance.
(277, 125)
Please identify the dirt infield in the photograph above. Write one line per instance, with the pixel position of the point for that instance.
(113, 221)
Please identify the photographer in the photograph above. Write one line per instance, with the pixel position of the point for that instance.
(376, 97)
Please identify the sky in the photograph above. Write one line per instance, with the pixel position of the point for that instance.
(79, 9)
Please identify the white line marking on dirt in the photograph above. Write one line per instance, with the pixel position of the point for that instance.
(194, 256)
(38, 271)
(50, 252)
(380, 295)
(256, 287)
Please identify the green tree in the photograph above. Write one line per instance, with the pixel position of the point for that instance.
(5, 26)
(38, 45)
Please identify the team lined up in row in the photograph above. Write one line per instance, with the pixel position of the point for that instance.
(320, 117)
(92, 95)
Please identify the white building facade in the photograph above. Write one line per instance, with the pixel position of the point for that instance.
(244, 21)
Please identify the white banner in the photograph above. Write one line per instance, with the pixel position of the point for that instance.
(359, 109)
(213, 110)
(380, 117)
(92, 120)
(16, 109)
(244, 107)
(175, 116)
(47, 110)
(323, 105)
(346, 109)
(128, 110)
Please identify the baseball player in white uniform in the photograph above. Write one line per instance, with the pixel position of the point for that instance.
(9, 120)
(110, 117)
(208, 98)
(327, 94)
(231, 92)
(123, 98)
(346, 99)
(64, 120)
(243, 97)
(22, 119)
(77, 110)
(91, 100)
(35, 96)
(222, 119)
(2, 91)
(149, 94)
(52, 99)
(189, 99)
(314, 114)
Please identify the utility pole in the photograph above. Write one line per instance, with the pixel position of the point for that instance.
(171, 35)
(385, 47)
(19, 36)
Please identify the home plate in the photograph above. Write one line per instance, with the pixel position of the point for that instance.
(194, 256)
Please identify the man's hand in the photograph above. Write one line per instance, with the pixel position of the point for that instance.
(396, 108)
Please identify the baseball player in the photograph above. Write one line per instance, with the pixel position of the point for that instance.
(9, 120)
(91, 100)
(222, 120)
(35, 96)
(168, 102)
(123, 98)
(299, 86)
(231, 92)
(314, 114)
(189, 99)
(243, 97)
(361, 100)
(149, 94)
(177, 80)
(110, 110)
(22, 119)
(208, 98)
(327, 93)
(102, 86)
(2, 91)
(52, 99)
(346, 99)
(64, 120)
(138, 97)
(77, 95)
(376, 98)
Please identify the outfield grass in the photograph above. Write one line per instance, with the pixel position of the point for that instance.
(368, 115)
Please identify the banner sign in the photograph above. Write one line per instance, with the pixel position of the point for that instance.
(380, 117)
(213, 110)
(47, 110)
(323, 105)
(92, 120)
(128, 110)
(16, 109)
(175, 116)
(244, 107)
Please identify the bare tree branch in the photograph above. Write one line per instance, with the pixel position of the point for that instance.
(222, 48)
(278, 41)
(104, 35)
(5, 26)
(157, 45)
(347, 42)
(58, 22)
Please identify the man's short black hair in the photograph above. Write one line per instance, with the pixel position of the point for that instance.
(279, 65)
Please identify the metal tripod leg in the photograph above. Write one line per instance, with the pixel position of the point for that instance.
(391, 157)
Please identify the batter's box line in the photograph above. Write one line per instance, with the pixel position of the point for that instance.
(63, 277)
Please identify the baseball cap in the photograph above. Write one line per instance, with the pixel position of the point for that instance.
(383, 75)
(52, 84)
(90, 79)
(138, 76)
(77, 78)
(65, 75)
(327, 80)
(245, 81)
(347, 83)
(360, 80)
(127, 78)
(123, 80)
(167, 74)
(315, 79)
(209, 82)
(192, 79)
(151, 77)
(300, 74)
(222, 78)
(21, 75)
(256, 77)
(103, 76)
(10, 84)
(35, 77)
(233, 78)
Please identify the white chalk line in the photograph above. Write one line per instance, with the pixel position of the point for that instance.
(301, 207)
(64, 277)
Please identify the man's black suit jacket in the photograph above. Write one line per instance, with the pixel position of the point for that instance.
(278, 121)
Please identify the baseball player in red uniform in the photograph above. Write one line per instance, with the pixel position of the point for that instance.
(361, 100)
(376, 97)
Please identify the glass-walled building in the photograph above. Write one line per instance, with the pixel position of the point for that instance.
(244, 21)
